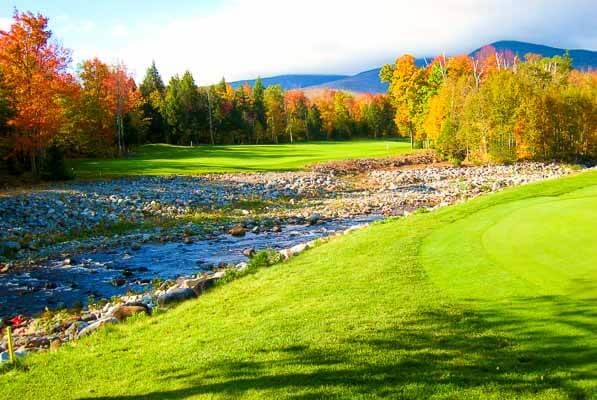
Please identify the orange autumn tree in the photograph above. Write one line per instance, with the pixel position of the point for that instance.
(123, 99)
(35, 69)
(296, 106)
(94, 113)
(107, 97)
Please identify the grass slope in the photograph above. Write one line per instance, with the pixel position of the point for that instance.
(492, 299)
(169, 160)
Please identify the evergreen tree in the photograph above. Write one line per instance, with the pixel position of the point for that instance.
(314, 124)
(184, 110)
(153, 90)
(258, 102)
(152, 82)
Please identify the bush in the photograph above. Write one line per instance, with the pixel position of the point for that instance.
(53, 167)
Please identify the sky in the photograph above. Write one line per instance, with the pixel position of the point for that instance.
(241, 39)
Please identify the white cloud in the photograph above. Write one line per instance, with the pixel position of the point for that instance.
(242, 39)
(5, 24)
(119, 31)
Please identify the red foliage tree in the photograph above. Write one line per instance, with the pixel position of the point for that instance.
(35, 69)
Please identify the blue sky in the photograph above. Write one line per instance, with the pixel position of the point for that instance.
(241, 39)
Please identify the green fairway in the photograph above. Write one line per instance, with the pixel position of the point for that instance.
(491, 299)
(173, 160)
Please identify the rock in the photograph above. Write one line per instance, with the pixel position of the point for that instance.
(249, 252)
(67, 261)
(313, 219)
(88, 317)
(118, 281)
(277, 229)
(96, 325)
(188, 240)
(135, 247)
(124, 311)
(4, 357)
(299, 248)
(285, 253)
(55, 344)
(37, 342)
(204, 283)
(241, 266)
(74, 329)
(175, 296)
(237, 230)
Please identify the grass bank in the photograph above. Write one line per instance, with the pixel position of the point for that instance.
(493, 299)
(181, 160)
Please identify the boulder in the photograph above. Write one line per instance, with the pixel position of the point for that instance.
(127, 310)
(285, 253)
(175, 296)
(74, 328)
(207, 282)
(299, 248)
(237, 230)
(241, 266)
(249, 252)
(314, 218)
(96, 325)
(118, 281)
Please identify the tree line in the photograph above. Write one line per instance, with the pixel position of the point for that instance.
(492, 107)
(495, 107)
(48, 110)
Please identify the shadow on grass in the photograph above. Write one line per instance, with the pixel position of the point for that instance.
(435, 352)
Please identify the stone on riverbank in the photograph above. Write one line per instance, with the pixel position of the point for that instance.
(96, 325)
(237, 230)
(175, 296)
(128, 310)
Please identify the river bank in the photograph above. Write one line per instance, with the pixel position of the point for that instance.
(258, 211)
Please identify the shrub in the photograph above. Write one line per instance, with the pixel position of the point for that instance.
(54, 167)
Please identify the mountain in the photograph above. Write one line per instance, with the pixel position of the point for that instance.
(368, 81)
(296, 81)
(581, 59)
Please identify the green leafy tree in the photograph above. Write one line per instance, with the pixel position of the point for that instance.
(183, 110)
(314, 124)
(274, 112)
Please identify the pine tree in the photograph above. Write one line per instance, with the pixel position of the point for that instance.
(152, 82)
(153, 90)
(258, 103)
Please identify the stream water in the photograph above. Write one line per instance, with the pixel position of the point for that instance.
(104, 274)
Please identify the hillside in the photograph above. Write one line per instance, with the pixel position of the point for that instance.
(581, 59)
(479, 300)
(368, 81)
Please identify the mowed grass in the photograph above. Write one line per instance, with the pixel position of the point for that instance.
(179, 160)
(491, 299)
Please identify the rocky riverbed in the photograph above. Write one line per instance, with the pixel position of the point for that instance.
(42, 265)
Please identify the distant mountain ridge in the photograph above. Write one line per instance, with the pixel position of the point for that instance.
(368, 81)
(294, 81)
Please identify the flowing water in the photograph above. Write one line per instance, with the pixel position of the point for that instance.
(104, 274)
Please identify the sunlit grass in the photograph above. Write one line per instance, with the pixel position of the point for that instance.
(180, 160)
(491, 299)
